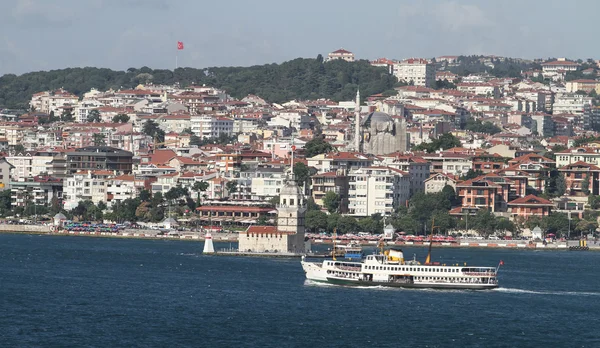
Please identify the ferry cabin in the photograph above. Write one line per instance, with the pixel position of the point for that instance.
(378, 269)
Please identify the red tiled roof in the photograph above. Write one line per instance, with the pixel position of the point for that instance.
(262, 229)
(341, 51)
(531, 200)
(226, 208)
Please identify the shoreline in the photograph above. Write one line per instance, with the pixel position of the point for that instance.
(229, 238)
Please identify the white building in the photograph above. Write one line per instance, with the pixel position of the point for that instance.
(291, 118)
(556, 70)
(420, 71)
(570, 103)
(418, 168)
(479, 88)
(83, 108)
(83, 186)
(122, 187)
(377, 190)
(209, 126)
(341, 54)
(542, 124)
(29, 164)
(587, 155)
(52, 101)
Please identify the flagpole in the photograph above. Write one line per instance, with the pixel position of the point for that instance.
(176, 61)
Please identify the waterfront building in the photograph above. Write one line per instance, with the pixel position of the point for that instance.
(530, 205)
(38, 190)
(85, 186)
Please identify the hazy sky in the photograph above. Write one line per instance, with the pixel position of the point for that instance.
(51, 34)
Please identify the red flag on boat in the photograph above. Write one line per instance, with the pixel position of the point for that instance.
(501, 263)
(179, 45)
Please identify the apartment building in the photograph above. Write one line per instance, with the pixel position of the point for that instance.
(83, 186)
(209, 126)
(416, 70)
(377, 190)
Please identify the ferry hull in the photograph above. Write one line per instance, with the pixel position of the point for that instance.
(346, 282)
(314, 272)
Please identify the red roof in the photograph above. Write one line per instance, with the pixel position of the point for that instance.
(341, 51)
(531, 200)
(226, 208)
(262, 229)
(560, 62)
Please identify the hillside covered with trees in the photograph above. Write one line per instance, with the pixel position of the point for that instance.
(300, 78)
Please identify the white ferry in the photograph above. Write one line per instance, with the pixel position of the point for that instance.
(390, 269)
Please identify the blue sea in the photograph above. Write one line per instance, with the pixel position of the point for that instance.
(58, 291)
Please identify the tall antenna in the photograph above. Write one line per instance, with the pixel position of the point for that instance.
(357, 122)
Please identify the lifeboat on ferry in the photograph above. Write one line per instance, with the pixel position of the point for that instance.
(395, 255)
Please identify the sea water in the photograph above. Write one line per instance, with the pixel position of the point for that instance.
(58, 291)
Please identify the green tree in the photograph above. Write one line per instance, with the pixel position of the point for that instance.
(557, 223)
(444, 142)
(316, 220)
(594, 201)
(301, 173)
(331, 201)
(311, 205)
(483, 222)
(585, 185)
(371, 225)
(145, 195)
(120, 118)
(561, 185)
(195, 140)
(5, 202)
(275, 201)
(406, 224)
(94, 116)
(99, 139)
(346, 224)
(477, 126)
(449, 194)
(152, 129)
(198, 187)
(443, 221)
(317, 146)
(67, 116)
(19, 148)
(472, 174)
(231, 186)
(332, 221)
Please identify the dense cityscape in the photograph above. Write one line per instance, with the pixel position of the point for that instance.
(482, 145)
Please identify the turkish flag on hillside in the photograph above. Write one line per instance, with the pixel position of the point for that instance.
(179, 45)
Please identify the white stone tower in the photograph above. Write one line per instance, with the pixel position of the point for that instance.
(290, 214)
(357, 122)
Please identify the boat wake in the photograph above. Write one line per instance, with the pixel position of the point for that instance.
(556, 293)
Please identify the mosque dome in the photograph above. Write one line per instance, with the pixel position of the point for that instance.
(377, 117)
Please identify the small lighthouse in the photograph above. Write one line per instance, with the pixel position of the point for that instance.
(209, 248)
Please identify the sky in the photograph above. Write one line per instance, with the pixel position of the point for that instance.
(119, 34)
